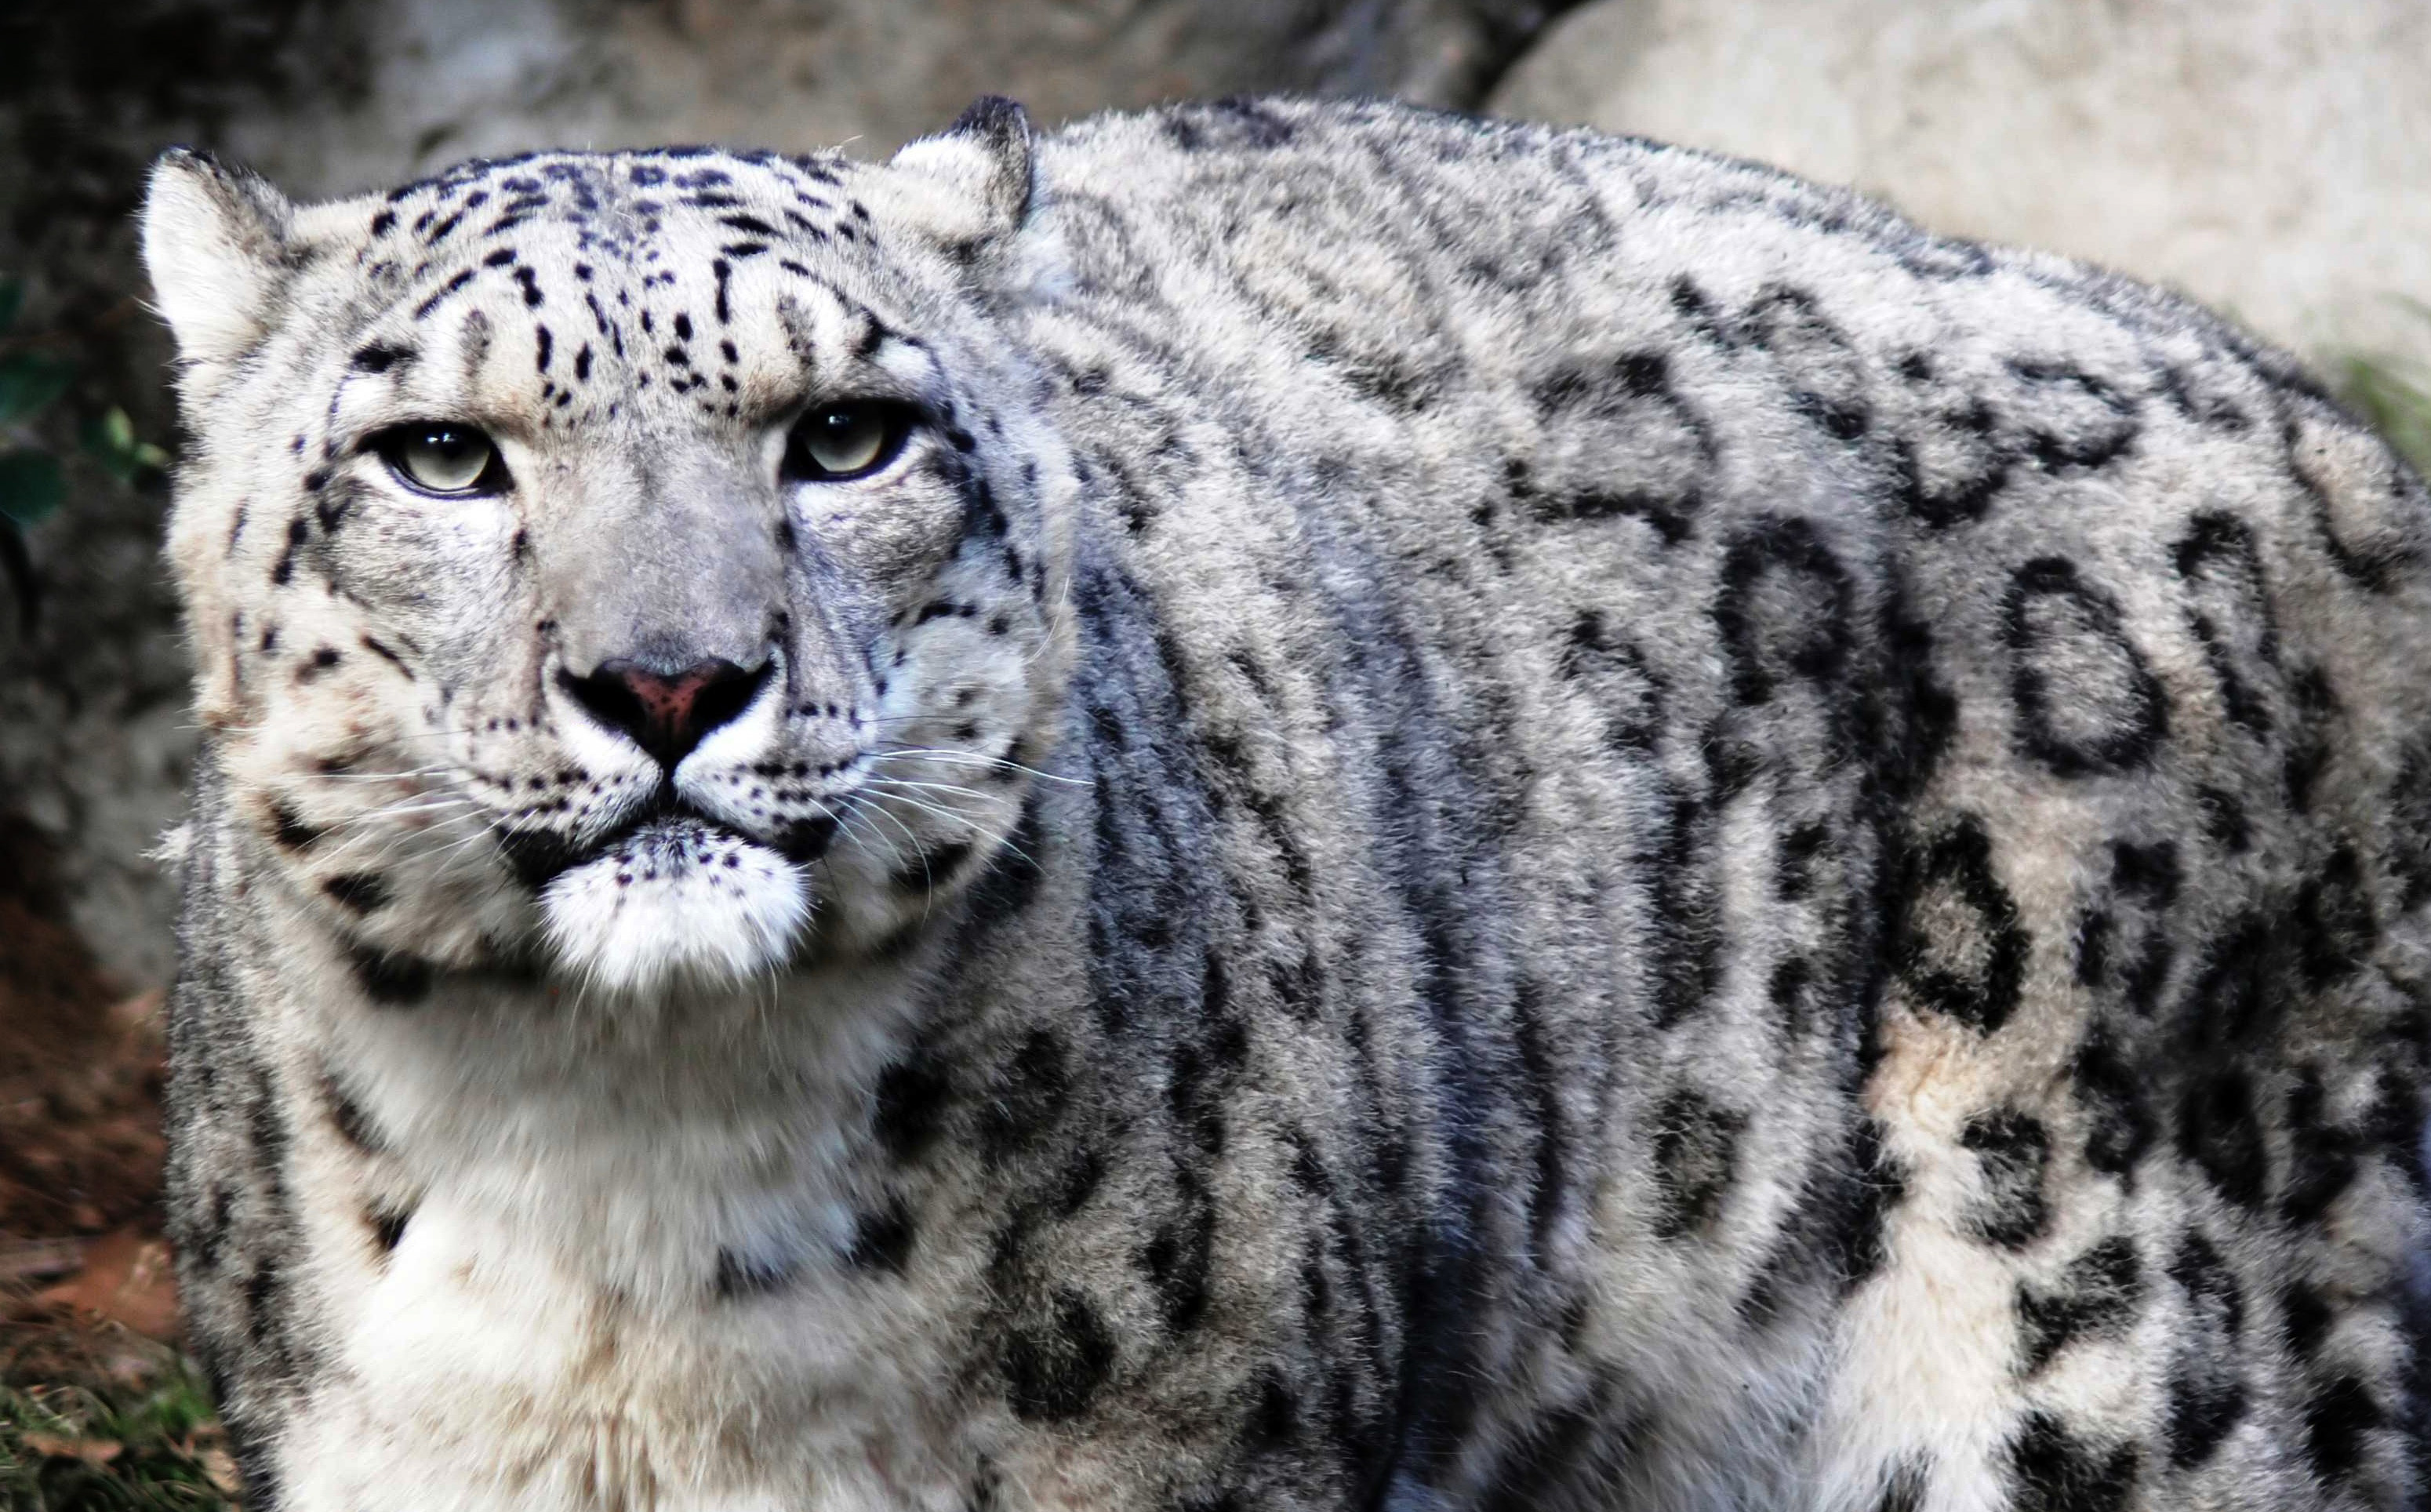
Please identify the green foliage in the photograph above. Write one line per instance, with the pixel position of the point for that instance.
(29, 380)
(110, 438)
(35, 373)
(2392, 396)
(2393, 403)
(134, 1440)
(32, 484)
(38, 369)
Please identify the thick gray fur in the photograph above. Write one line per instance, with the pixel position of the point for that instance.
(1607, 832)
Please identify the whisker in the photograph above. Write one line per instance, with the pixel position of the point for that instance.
(974, 824)
(972, 758)
(931, 808)
(350, 775)
(412, 803)
(1047, 641)
(846, 820)
(956, 789)
(415, 837)
(873, 809)
(352, 829)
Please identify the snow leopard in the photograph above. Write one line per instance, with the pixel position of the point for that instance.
(1279, 805)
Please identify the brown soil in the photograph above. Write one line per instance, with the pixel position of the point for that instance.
(81, 1070)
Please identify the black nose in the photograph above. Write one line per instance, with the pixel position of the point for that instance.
(666, 716)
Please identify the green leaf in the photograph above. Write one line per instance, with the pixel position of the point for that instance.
(2392, 403)
(109, 437)
(29, 382)
(13, 298)
(31, 485)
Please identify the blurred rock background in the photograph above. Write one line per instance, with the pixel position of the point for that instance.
(2270, 157)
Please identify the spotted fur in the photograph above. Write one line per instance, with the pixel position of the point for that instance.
(1486, 819)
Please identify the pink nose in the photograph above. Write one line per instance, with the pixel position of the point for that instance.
(666, 715)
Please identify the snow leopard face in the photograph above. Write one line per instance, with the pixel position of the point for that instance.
(633, 587)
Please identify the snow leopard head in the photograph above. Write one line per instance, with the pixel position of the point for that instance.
(645, 564)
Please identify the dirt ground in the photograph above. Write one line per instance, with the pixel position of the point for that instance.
(97, 1407)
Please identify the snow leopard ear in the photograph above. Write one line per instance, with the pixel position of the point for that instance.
(983, 165)
(215, 241)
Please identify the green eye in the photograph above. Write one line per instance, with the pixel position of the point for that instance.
(838, 441)
(443, 456)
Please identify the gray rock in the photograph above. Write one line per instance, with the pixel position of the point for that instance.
(2269, 157)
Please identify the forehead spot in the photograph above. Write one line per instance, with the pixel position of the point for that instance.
(440, 295)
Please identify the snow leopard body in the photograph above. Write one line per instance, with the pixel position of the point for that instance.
(1483, 818)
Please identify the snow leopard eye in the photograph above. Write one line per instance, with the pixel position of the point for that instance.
(840, 440)
(441, 457)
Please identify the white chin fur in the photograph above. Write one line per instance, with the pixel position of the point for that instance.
(675, 901)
